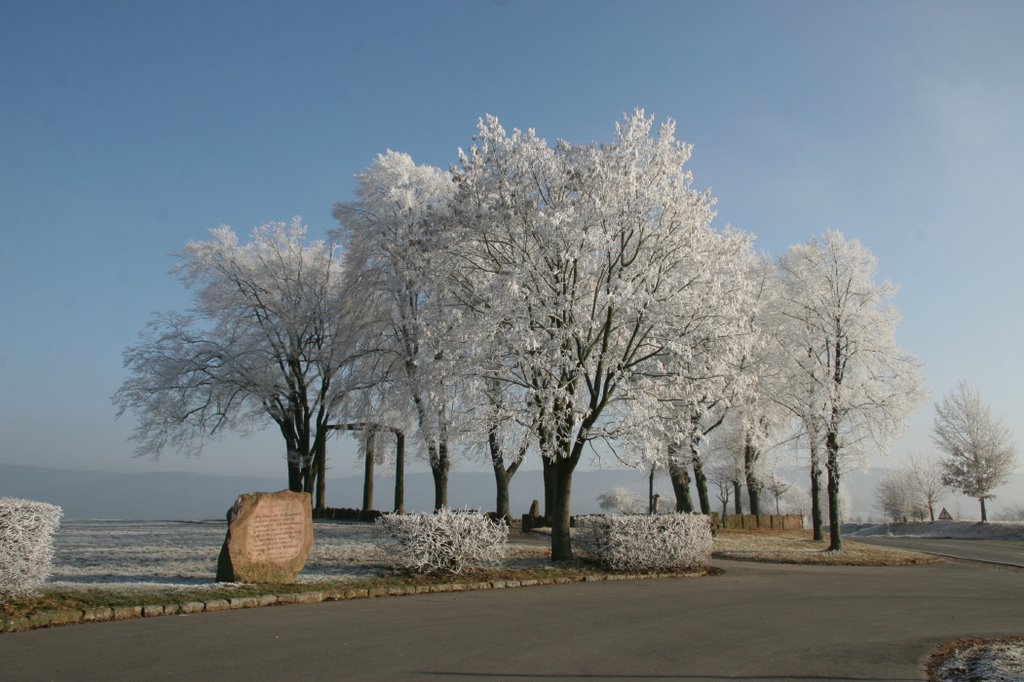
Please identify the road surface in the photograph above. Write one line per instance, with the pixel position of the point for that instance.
(754, 622)
(999, 551)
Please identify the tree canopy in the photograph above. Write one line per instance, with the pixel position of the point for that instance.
(264, 341)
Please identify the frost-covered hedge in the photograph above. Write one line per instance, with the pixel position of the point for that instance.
(443, 542)
(26, 544)
(647, 542)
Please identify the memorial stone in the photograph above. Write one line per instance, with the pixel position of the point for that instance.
(269, 537)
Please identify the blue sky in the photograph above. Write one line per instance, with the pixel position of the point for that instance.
(130, 128)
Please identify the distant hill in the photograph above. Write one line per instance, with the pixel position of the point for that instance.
(186, 496)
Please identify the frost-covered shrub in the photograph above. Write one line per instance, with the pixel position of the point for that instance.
(26, 544)
(443, 542)
(646, 543)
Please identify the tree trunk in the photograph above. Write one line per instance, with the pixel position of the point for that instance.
(399, 472)
(832, 467)
(984, 514)
(816, 522)
(737, 499)
(501, 503)
(651, 509)
(369, 459)
(297, 449)
(320, 458)
(680, 478)
(502, 476)
(561, 540)
(294, 471)
(303, 446)
(439, 466)
(750, 457)
(550, 487)
(702, 485)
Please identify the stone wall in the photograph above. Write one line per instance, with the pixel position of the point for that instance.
(346, 514)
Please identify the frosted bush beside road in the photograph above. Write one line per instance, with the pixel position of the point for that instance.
(648, 542)
(443, 542)
(26, 544)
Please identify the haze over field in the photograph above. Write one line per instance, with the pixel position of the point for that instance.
(189, 496)
(131, 129)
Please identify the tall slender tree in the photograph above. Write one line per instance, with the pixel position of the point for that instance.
(394, 236)
(841, 354)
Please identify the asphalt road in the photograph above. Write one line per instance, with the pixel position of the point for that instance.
(755, 622)
(1000, 551)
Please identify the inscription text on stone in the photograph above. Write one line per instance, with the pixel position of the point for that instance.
(276, 535)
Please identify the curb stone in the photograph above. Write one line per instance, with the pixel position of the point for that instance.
(127, 612)
(99, 614)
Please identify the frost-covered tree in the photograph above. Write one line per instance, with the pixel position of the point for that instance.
(759, 432)
(621, 501)
(394, 236)
(1014, 512)
(264, 341)
(795, 382)
(928, 484)
(778, 487)
(724, 475)
(597, 277)
(719, 377)
(739, 446)
(796, 501)
(979, 452)
(898, 497)
(727, 466)
(841, 353)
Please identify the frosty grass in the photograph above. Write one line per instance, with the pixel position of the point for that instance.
(183, 554)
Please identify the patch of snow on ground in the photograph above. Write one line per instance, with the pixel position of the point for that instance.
(994, 662)
(990, 530)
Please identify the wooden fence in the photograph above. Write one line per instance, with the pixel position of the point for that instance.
(764, 522)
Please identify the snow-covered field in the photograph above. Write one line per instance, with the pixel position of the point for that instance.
(991, 530)
(183, 554)
(168, 554)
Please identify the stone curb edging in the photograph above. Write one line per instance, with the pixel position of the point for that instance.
(101, 614)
